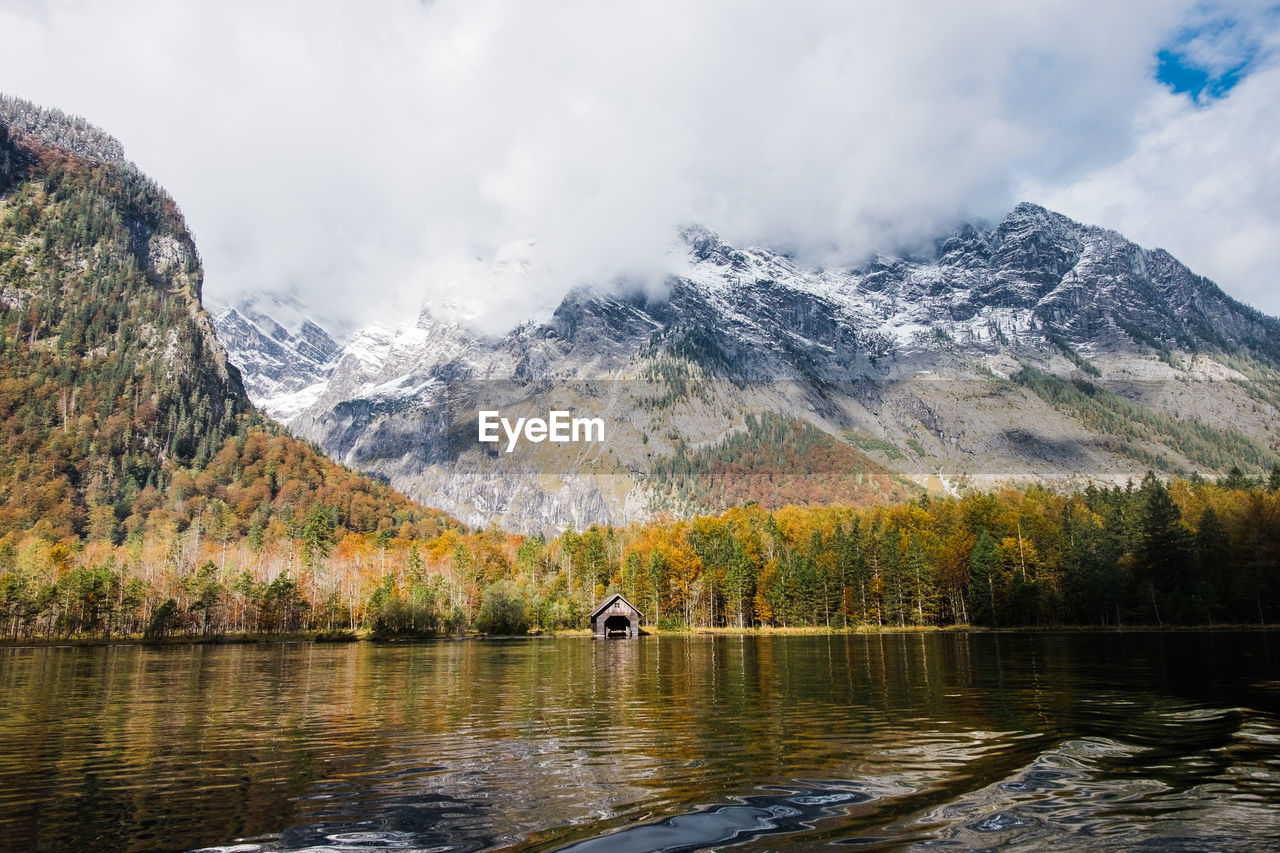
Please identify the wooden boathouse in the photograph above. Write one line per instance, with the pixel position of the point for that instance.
(615, 617)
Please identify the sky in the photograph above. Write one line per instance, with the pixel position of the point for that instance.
(484, 156)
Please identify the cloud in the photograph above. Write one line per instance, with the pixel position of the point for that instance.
(1215, 47)
(1202, 181)
(1222, 37)
(372, 157)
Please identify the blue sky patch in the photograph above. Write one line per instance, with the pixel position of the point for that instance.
(1181, 74)
(1212, 52)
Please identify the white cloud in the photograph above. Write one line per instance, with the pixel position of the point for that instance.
(1221, 37)
(365, 155)
(1202, 182)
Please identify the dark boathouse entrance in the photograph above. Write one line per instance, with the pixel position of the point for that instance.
(615, 618)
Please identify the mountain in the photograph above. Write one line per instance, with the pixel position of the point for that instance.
(278, 364)
(119, 411)
(1039, 349)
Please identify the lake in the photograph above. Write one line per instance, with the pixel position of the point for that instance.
(951, 741)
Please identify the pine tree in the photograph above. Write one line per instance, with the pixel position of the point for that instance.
(985, 568)
(1164, 553)
(1213, 551)
(317, 534)
(657, 570)
(1236, 479)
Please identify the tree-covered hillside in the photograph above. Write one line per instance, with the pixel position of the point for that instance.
(774, 461)
(118, 408)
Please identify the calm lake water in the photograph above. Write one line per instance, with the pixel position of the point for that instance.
(942, 741)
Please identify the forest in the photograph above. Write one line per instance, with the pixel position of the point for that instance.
(203, 563)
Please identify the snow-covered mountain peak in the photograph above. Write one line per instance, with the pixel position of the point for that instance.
(280, 368)
(898, 349)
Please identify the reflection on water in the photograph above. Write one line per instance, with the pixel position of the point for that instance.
(952, 741)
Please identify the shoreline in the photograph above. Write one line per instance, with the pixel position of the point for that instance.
(343, 637)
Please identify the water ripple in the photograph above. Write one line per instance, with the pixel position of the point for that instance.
(940, 741)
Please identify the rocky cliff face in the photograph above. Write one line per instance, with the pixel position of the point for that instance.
(1037, 349)
(280, 367)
